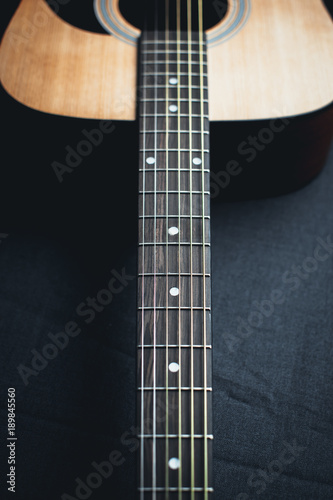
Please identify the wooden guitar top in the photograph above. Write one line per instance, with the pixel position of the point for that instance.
(265, 59)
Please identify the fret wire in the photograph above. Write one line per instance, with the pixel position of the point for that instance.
(197, 436)
(183, 346)
(175, 53)
(175, 388)
(160, 73)
(179, 150)
(168, 86)
(174, 131)
(174, 62)
(173, 41)
(200, 275)
(177, 489)
(183, 243)
(182, 115)
(174, 216)
(183, 99)
(172, 52)
(174, 192)
(173, 170)
(182, 308)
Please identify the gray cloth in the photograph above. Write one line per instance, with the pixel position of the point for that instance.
(272, 327)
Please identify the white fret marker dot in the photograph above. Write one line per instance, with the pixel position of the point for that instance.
(173, 108)
(174, 291)
(150, 160)
(197, 161)
(173, 231)
(173, 81)
(174, 463)
(174, 367)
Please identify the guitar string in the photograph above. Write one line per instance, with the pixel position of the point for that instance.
(200, 14)
(167, 257)
(179, 268)
(189, 39)
(155, 228)
(143, 284)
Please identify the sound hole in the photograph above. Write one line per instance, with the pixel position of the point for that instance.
(213, 11)
(78, 13)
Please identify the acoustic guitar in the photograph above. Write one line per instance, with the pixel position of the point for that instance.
(266, 63)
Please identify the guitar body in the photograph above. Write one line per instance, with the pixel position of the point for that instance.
(258, 71)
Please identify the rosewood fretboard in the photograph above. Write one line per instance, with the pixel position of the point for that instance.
(174, 289)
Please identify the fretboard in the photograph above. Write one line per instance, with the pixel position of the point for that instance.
(174, 289)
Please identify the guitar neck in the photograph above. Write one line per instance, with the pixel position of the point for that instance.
(174, 289)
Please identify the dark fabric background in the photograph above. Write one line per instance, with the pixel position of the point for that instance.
(272, 383)
(271, 387)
